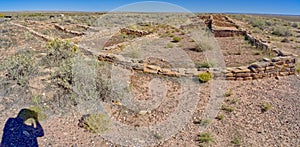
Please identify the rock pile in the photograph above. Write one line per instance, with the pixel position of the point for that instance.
(278, 66)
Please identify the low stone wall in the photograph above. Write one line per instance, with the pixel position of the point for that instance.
(67, 30)
(134, 32)
(228, 33)
(140, 66)
(278, 66)
(37, 34)
(258, 43)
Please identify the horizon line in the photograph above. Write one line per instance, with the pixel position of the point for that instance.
(79, 11)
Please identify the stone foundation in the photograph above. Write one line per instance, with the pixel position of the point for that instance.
(278, 66)
(228, 33)
(134, 32)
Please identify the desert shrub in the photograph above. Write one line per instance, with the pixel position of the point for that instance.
(95, 123)
(35, 15)
(63, 76)
(256, 30)
(204, 77)
(1, 15)
(60, 51)
(285, 40)
(176, 39)
(294, 25)
(265, 107)
(282, 31)
(61, 55)
(205, 138)
(19, 67)
(259, 23)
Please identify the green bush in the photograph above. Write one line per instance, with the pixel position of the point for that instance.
(204, 77)
(20, 67)
(2, 15)
(95, 123)
(176, 39)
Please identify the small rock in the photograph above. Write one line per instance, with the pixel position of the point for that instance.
(143, 112)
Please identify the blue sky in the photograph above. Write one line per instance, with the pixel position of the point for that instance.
(234, 6)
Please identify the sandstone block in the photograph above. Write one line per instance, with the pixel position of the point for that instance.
(243, 75)
(248, 78)
(230, 78)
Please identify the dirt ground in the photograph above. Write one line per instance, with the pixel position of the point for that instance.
(263, 112)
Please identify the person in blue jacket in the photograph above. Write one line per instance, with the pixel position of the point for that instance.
(18, 134)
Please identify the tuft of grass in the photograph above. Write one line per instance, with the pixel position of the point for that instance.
(169, 45)
(265, 106)
(157, 136)
(220, 117)
(257, 52)
(39, 111)
(205, 77)
(298, 68)
(95, 123)
(236, 141)
(176, 39)
(205, 138)
(233, 100)
(204, 45)
(205, 122)
(227, 108)
(206, 65)
(228, 93)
